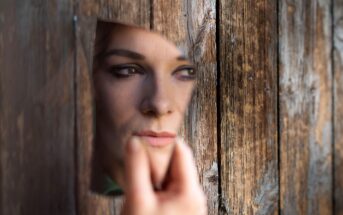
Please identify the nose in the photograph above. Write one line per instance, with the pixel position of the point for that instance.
(157, 100)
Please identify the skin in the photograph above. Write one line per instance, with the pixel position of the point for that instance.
(182, 195)
(147, 88)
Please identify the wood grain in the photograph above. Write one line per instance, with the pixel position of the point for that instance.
(47, 108)
(305, 107)
(88, 202)
(248, 107)
(88, 11)
(37, 107)
(338, 108)
(133, 12)
(191, 25)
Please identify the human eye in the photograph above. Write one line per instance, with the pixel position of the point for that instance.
(125, 70)
(185, 73)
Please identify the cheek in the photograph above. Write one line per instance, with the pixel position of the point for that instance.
(116, 100)
(121, 103)
(183, 93)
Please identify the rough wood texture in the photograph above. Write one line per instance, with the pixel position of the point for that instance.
(305, 107)
(338, 109)
(46, 87)
(248, 107)
(36, 107)
(192, 26)
(88, 202)
(132, 12)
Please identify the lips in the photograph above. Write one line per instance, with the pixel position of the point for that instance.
(156, 139)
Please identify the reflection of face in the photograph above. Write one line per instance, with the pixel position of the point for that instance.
(142, 87)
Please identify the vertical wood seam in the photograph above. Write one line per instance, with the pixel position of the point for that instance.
(332, 108)
(76, 148)
(151, 14)
(218, 93)
(278, 124)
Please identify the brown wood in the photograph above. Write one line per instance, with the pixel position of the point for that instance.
(248, 107)
(133, 12)
(88, 202)
(37, 107)
(305, 107)
(88, 11)
(191, 25)
(338, 108)
(47, 109)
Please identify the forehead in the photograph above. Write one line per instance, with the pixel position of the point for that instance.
(142, 41)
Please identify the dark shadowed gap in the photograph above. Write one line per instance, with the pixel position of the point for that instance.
(278, 114)
(218, 94)
(75, 86)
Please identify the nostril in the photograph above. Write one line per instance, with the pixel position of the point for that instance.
(149, 113)
(156, 108)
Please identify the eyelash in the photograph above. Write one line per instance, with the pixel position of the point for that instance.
(117, 71)
(190, 70)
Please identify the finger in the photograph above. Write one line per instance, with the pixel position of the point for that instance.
(137, 170)
(183, 170)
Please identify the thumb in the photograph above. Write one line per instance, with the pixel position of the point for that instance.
(138, 181)
(183, 170)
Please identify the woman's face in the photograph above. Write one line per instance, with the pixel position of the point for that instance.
(143, 84)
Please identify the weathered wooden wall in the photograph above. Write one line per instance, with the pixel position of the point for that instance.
(265, 123)
(37, 101)
(248, 107)
(305, 46)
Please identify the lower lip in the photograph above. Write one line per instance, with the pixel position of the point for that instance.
(158, 141)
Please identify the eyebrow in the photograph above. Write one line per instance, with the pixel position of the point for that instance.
(133, 55)
(124, 53)
(182, 58)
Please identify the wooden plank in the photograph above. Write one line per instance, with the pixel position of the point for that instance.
(131, 12)
(248, 107)
(37, 107)
(88, 202)
(191, 25)
(338, 108)
(305, 107)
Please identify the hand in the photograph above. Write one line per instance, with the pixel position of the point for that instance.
(182, 193)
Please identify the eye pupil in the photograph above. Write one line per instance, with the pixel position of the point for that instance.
(185, 73)
(131, 70)
(125, 70)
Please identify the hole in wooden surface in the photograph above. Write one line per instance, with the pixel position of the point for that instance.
(142, 86)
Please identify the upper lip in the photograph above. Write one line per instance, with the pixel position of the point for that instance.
(155, 133)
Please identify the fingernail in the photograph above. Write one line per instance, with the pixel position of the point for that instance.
(134, 145)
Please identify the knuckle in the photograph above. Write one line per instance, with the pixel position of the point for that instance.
(138, 199)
